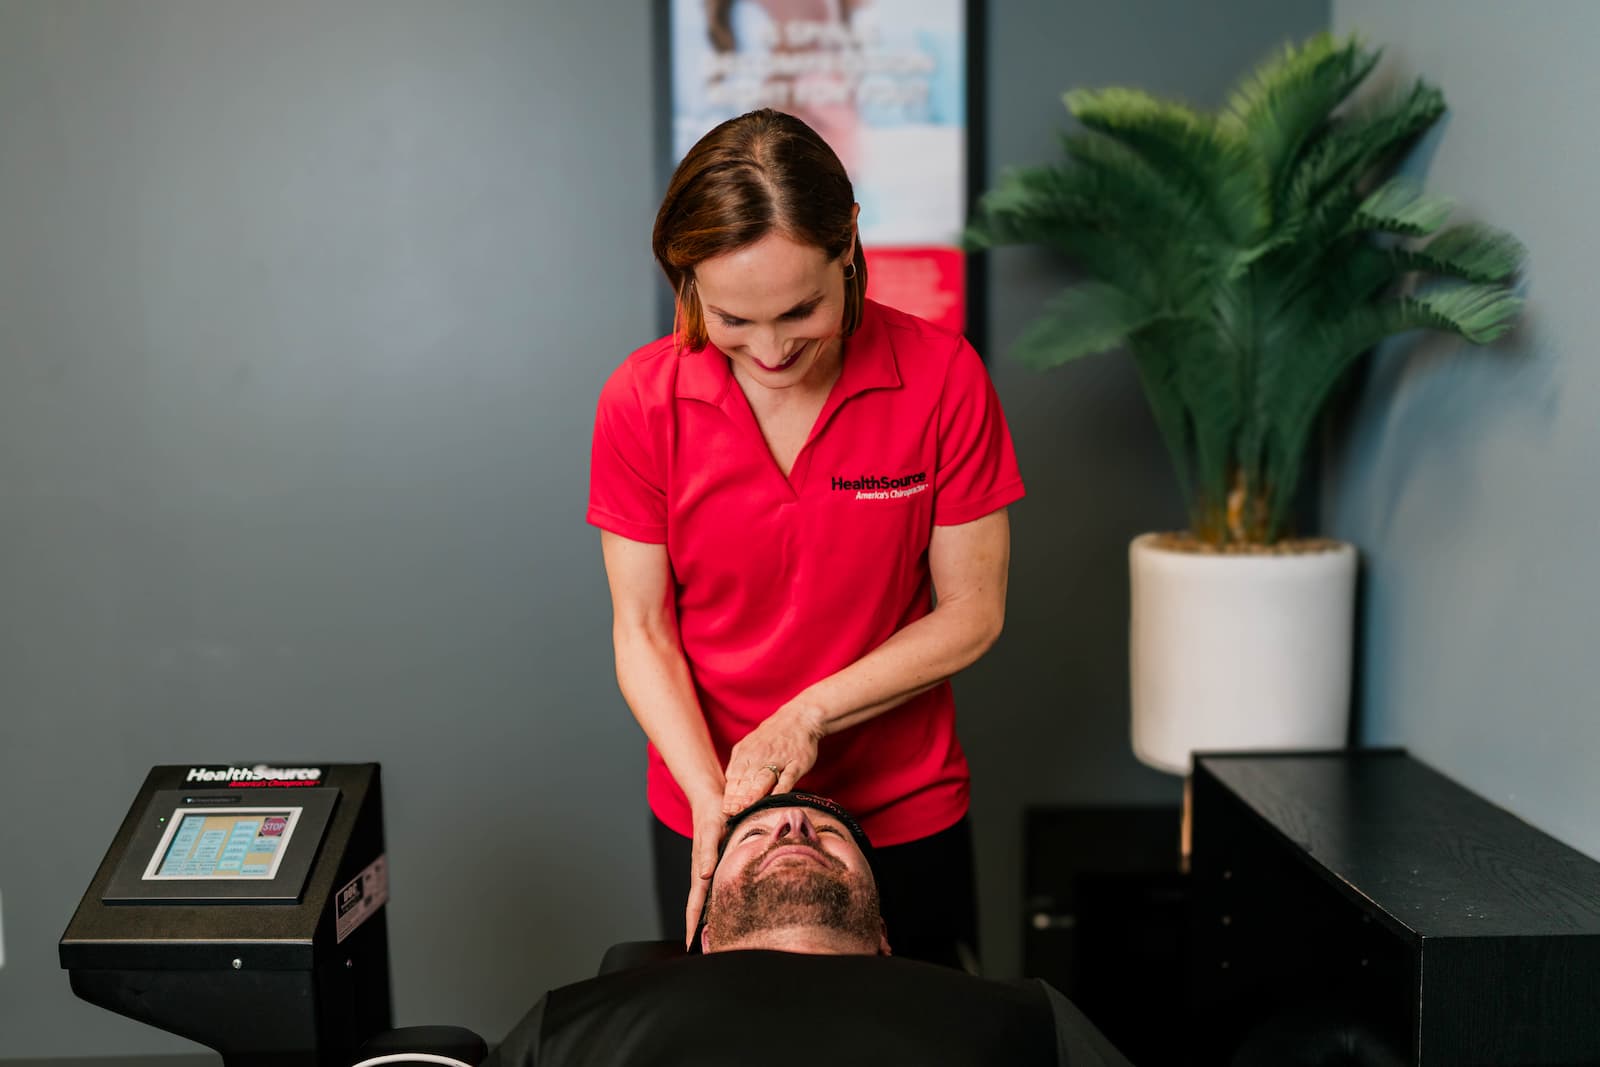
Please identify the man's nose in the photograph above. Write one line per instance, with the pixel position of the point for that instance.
(795, 824)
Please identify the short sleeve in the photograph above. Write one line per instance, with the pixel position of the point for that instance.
(977, 464)
(627, 489)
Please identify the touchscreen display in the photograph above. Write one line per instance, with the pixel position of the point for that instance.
(223, 843)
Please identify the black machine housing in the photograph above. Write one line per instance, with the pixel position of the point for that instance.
(242, 906)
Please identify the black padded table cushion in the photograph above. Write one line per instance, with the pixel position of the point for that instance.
(779, 1008)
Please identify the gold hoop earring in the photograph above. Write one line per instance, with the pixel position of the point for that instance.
(849, 271)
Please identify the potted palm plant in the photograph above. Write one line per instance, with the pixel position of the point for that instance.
(1247, 259)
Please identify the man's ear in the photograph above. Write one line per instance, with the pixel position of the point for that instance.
(703, 941)
(883, 939)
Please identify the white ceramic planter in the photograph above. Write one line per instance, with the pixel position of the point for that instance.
(1238, 652)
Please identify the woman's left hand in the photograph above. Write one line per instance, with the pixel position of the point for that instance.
(772, 757)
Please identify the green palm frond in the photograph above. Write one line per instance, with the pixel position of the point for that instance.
(1130, 192)
(1288, 99)
(1247, 259)
(1354, 141)
(1214, 170)
(1084, 320)
(1111, 210)
(1400, 206)
(1480, 313)
(1472, 252)
(1029, 206)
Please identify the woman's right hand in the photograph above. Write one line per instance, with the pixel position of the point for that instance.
(709, 826)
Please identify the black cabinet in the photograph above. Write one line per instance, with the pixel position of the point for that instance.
(1362, 900)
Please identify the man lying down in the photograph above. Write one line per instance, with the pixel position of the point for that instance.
(796, 970)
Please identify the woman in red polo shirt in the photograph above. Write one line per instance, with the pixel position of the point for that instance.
(782, 485)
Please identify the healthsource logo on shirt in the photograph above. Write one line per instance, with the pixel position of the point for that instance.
(883, 487)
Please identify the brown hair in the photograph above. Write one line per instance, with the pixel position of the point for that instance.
(762, 172)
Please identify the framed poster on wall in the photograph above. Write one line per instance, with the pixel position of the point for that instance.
(890, 84)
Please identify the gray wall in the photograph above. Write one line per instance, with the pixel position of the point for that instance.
(303, 310)
(1467, 476)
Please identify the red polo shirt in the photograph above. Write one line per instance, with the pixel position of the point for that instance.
(784, 581)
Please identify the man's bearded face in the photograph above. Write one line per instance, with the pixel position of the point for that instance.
(792, 867)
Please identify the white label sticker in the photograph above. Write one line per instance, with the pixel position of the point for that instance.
(361, 896)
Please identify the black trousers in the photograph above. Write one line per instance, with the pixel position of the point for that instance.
(927, 889)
